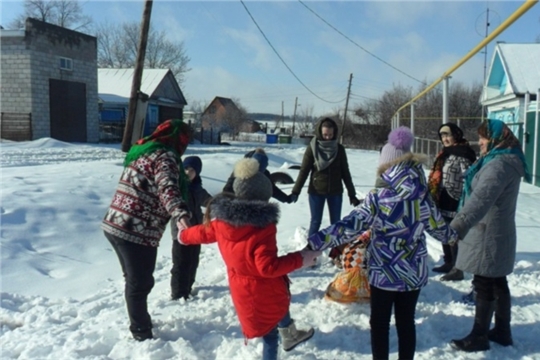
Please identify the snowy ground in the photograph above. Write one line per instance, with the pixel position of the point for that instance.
(62, 290)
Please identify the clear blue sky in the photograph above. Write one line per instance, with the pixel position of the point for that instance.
(230, 57)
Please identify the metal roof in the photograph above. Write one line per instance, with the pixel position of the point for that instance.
(522, 66)
(114, 85)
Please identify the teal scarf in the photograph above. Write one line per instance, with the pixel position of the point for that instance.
(501, 141)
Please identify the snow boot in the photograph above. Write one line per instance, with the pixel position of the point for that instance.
(448, 260)
(453, 275)
(291, 336)
(141, 335)
(501, 333)
(477, 340)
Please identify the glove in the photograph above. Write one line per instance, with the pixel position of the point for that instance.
(309, 257)
(182, 225)
(355, 201)
(293, 198)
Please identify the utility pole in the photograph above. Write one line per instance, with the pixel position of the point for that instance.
(137, 76)
(346, 107)
(282, 114)
(294, 115)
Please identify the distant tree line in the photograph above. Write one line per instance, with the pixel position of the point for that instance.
(369, 122)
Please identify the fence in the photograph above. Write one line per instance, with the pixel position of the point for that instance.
(111, 131)
(16, 126)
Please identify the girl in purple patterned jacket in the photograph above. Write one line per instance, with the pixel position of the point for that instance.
(398, 214)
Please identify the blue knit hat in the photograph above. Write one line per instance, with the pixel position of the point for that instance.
(193, 162)
(262, 159)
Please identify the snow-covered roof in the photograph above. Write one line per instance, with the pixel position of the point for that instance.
(114, 85)
(522, 65)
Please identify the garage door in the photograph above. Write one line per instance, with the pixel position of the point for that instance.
(67, 110)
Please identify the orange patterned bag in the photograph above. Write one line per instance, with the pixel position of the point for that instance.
(351, 285)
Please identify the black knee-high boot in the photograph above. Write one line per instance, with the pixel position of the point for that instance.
(501, 333)
(477, 340)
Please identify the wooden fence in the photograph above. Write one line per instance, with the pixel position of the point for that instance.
(16, 126)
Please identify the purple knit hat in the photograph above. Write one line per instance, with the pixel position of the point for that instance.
(399, 143)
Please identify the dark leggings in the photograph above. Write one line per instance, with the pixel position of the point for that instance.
(404, 304)
(138, 263)
(185, 260)
(489, 289)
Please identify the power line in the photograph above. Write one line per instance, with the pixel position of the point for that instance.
(283, 61)
(352, 41)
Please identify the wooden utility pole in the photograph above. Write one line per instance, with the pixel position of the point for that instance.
(294, 115)
(137, 76)
(346, 108)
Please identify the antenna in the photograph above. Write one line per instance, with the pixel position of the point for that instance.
(485, 47)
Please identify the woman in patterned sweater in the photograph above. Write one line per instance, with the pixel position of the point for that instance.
(398, 215)
(152, 190)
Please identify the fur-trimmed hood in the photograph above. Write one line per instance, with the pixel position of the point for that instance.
(239, 212)
(405, 175)
(420, 158)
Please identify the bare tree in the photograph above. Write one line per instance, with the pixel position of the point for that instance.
(118, 43)
(197, 107)
(65, 13)
(305, 120)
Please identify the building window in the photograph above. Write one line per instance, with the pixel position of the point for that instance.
(66, 64)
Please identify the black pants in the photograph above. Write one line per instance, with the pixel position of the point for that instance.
(489, 289)
(404, 304)
(138, 263)
(185, 263)
(450, 251)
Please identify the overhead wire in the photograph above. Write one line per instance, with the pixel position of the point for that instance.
(358, 45)
(283, 61)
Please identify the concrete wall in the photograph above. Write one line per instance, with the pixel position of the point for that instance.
(30, 58)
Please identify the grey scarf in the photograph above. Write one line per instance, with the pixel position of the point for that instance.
(324, 152)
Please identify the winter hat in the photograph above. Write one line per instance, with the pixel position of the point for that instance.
(262, 159)
(249, 183)
(193, 162)
(453, 129)
(399, 143)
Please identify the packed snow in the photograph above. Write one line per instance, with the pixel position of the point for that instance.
(62, 288)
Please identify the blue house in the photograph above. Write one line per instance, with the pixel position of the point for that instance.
(511, 94)
(165, 99)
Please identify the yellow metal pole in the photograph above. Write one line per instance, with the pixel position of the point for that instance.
(511, 19)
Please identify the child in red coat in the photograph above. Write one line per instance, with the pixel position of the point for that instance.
(244, 226)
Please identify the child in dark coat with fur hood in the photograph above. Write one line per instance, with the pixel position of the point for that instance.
(244, 227)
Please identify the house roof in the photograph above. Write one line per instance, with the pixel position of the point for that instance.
(521, 65)
(225, 102)
(114, 85)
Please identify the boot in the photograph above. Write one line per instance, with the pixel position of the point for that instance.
(291, 336)
(477, 340)
(501, 333)
(448, 260)
(142, 334)
(453, 275)
(444, 268)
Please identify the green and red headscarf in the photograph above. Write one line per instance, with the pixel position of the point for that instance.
(171, 135)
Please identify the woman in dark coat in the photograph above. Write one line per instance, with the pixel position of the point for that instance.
(446, 185)
(325, 162)
(486, 225)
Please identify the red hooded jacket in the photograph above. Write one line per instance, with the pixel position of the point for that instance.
(246, 235)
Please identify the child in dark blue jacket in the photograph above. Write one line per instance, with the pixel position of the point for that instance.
(186, 257)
